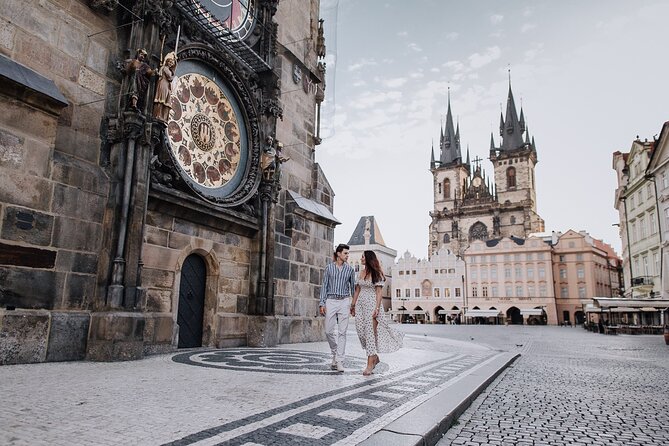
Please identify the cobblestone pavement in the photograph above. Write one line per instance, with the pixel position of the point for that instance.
(569, 387)
(243, 396)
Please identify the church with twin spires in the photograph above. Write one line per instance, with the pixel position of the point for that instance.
(470, 205)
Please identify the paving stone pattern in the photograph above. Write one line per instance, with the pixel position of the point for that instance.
(232, 396)
(569, 387)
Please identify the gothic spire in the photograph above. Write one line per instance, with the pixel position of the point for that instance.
(492, 142)
(522, 119)
(450, 146)
(512, 136)
(432, 157)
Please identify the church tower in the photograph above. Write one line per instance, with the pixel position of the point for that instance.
(449, 175)
(514, 162)
(468, 205)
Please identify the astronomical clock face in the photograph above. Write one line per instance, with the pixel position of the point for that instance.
(206, 132)
(235, 16)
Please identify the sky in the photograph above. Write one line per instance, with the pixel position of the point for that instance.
(591, 76)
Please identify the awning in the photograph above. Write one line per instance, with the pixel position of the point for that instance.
(651, 309)
(610, 302)
(482, 313)
(531, 311)
(410, 312)
(590, 308)
(449, 311)
(623, 310)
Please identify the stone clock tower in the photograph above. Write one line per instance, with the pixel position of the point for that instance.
(165, 192)
(468, 205)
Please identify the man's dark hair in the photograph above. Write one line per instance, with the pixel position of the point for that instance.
(340, 247)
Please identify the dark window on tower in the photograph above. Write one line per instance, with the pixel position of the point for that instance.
(511, 177)
(447, 188)
(446, 238)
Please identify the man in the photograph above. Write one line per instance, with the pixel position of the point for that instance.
(335, 303)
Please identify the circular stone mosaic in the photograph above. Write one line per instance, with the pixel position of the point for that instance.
(267, 360)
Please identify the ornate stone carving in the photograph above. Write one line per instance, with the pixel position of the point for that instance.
(104, 5)
(138, 74)
(163, 98)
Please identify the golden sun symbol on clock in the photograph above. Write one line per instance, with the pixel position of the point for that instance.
(204, 131)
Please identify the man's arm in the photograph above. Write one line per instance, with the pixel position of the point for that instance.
(324, 288)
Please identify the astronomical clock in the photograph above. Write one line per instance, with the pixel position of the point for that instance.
(212, 132)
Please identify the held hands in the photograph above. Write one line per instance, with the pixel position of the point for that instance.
(375, 313)
(322, 310)
(353, 310)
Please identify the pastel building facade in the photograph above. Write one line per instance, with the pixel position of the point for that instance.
(635, 200)
(583, 268)
(510, 280)
(428, 291)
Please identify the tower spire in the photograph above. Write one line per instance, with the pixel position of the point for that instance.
(512, 135)
(450, 149)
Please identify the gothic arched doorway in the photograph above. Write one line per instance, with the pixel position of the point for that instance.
(440, 315)
(191, 301)
(513, 316)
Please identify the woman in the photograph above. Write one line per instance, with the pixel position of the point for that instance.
(371, 323)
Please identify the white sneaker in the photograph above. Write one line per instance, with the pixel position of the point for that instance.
(340, 367)
(333, 366)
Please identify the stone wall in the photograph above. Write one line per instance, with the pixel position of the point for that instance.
(52, 188)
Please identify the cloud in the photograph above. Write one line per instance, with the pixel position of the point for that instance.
(361, 64)
(414, 47)
(371, 99)
(359, 83)
(402, 34)
(435, 70)
(452, 36)
(417, 74)
(395, 82)
(527, 12)
(496, 18)
(477, 60)
(527, 27)
(533, 52)
(454, 65)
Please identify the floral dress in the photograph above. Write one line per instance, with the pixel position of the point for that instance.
(387, 339)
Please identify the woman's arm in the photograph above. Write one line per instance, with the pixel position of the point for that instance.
(379, 289)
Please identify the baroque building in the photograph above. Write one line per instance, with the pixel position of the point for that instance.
(158, 181)
(468, 204)
(635, 200)
(428, 290)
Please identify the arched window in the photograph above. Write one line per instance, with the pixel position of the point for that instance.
(511, 177)
(447, 188)
(446, 238)
(478, 231)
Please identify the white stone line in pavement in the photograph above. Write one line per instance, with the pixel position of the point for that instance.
(365, 431)
(306, 430)
(367, 402)
(391, 395)
(248, 443)
(403, 388)
(228, 435)
(348, 415)
(413, 383)
(426, 378)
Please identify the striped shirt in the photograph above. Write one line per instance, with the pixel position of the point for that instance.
(337, 282)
